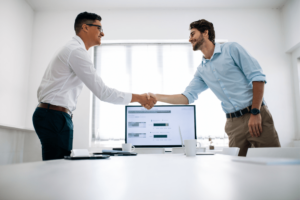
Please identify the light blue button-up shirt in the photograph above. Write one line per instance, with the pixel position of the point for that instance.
(229, 74)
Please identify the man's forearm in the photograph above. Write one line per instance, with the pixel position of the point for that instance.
(258, 93)
(135, 98)
(143, 100)
(172, 99)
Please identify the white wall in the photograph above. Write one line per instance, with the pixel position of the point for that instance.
(296, 72)
(291, 29)
(291, 21)
(15, 53)
(11, 146)
(258, 30)
(18, 146)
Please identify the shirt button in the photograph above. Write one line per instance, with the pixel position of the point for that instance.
(218, 79)
(229, 97)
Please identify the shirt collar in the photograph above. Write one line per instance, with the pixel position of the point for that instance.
(79, 40)
(216, 50)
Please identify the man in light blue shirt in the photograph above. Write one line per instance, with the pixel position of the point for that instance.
(238, 81)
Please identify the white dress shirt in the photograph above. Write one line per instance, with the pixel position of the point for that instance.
(66, 74)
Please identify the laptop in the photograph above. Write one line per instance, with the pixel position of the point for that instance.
(158, 127)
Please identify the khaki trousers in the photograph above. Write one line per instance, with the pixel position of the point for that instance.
(239, 136)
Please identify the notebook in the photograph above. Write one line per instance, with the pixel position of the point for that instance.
(116, 153)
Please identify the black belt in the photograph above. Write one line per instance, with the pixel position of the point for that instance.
(240, 113)
(53, 107)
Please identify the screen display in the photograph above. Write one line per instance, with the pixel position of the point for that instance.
(159, 127)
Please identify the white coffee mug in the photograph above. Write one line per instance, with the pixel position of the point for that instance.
(190, 147)
(128, 147)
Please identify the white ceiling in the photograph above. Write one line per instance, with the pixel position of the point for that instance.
(42, 5)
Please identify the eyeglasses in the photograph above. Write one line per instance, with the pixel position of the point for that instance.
(99, 27)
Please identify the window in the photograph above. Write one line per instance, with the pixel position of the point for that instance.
(150, 67)
(298, 64)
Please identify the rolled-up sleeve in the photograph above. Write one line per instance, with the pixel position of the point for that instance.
(196, 86)
(249, 65)
(82, 66)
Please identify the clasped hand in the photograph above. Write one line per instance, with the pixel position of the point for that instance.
(148, 101)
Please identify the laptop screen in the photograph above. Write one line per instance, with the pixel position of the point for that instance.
(159, 127)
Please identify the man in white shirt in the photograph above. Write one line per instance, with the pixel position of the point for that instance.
(62, 84)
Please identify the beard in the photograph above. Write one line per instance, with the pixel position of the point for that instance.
(198, 44)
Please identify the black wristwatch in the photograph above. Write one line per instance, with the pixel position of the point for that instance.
(255, 111)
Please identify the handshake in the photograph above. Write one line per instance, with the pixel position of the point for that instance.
(147, 100)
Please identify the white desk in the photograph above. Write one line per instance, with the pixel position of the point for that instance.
(149, 177)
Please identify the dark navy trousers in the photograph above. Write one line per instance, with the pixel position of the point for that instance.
(55, 131)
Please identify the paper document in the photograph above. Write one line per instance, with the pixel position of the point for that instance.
(268, 161)
(79, 153)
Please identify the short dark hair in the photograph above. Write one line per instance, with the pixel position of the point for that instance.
(203, 25)
(85, 18)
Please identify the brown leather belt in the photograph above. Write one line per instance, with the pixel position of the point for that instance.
(53, 107)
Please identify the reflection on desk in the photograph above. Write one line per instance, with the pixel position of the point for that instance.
(149, 177)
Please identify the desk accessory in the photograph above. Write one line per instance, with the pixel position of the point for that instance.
(83, 154)
(211, 143)
(190, 147)
(128, 147)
